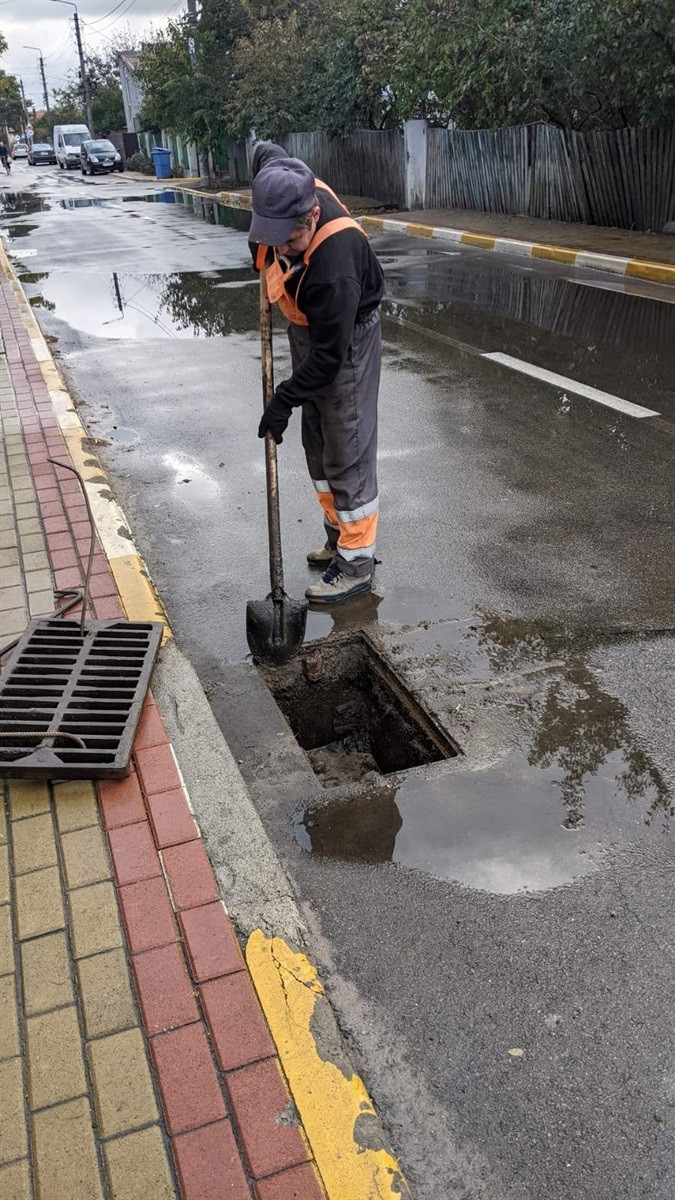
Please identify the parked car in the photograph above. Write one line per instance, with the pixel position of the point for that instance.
(41, 152)
(99, 155)
(67, 141)
(19, 150)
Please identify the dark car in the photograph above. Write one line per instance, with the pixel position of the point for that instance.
(99, 155)
(41, 152)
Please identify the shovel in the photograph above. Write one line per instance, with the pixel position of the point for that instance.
(275, 627)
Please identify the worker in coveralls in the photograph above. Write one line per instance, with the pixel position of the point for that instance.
(320, 270)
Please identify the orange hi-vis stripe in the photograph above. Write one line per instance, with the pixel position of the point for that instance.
(358, 535)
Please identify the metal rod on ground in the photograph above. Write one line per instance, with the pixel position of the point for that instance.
(92, 537)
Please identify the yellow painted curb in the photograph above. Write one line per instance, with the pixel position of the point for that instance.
(374, 223)
(657, 272)
(478, 239)
(414, 230)
(140, 600)
(556, 253)
(336, 1111)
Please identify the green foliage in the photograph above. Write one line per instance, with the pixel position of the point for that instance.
(11, 106)
(140, 162)
(337, 64)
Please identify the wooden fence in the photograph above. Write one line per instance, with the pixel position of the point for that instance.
(619, 177)
(368, 162)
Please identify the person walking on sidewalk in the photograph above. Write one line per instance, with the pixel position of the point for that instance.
(323, 274)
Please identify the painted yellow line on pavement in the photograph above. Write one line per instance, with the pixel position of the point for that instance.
(556, 253)
(336, 1111)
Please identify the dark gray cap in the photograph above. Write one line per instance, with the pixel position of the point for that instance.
(283, 192)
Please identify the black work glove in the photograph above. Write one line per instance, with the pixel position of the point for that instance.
(275, 419)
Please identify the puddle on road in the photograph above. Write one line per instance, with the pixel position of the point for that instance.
(182, 304)
(19, 204)
(570, 788)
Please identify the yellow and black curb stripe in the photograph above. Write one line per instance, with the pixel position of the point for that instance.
(631, 268)
(336, 1112)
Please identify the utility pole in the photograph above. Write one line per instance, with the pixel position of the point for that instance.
(83, 71)
(41, 61)
(204, 166)
(23, 98)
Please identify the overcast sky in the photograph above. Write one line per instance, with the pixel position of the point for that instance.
(49, 25)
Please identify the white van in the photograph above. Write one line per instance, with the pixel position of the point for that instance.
(67, 141)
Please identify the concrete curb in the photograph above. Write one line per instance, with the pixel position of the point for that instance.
(632, 268)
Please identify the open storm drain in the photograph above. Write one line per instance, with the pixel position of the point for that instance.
(353, 716)
(70, 699)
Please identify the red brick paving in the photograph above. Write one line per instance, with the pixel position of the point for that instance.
(266, 1118)
(212, 947)
(138, 817)
(148, 915)
(298, 1183)
(164, 989)
(238, 1027)
(188, 1083)
(190, 875)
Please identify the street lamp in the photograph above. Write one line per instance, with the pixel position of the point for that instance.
(83, 73)
(42, 72)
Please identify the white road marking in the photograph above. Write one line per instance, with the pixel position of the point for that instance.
(571, 385)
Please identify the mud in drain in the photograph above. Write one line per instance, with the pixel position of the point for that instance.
(353, 716)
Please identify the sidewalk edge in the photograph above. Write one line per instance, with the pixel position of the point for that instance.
(631, 268)
(134, 584)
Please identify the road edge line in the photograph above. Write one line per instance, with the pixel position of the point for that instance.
(137, 591)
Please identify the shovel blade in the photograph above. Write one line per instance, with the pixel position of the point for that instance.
(275, 628)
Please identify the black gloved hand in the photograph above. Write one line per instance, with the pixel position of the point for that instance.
(275, 419)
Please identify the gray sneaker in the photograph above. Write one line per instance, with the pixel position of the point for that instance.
(335, 586)
(321, 557)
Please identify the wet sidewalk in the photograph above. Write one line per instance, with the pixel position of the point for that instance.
(135, 1060)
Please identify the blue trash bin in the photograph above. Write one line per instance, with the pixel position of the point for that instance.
(162, 160)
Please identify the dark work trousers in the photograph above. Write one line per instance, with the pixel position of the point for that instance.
(339, 435)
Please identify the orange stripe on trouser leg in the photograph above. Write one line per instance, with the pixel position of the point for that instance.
(357, 535)
(328, 505)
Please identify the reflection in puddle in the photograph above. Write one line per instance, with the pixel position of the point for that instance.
(17, 204)
(17, 230)
(575, 786)
(191, 482)
(185, 304)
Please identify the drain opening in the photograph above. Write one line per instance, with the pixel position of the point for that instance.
(353, 715)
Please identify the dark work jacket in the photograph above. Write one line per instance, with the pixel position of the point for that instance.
(343, 283)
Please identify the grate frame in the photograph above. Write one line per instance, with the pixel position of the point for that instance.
(82, 691)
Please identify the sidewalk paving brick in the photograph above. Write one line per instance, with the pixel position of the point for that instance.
(211, 944)
(266, 1117)
(188, 1083)
(128, 1020)
(66, 1162)
(123, 1090)
(164, 989)
(148, 916)
(137, 1166)
(190, 875)
(209, 1166)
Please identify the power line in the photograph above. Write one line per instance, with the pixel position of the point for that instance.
(114, 20)
(98, 20)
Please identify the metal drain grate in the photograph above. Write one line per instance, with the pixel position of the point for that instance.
(70, 699)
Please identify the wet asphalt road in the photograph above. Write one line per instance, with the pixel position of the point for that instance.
(518, 897)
